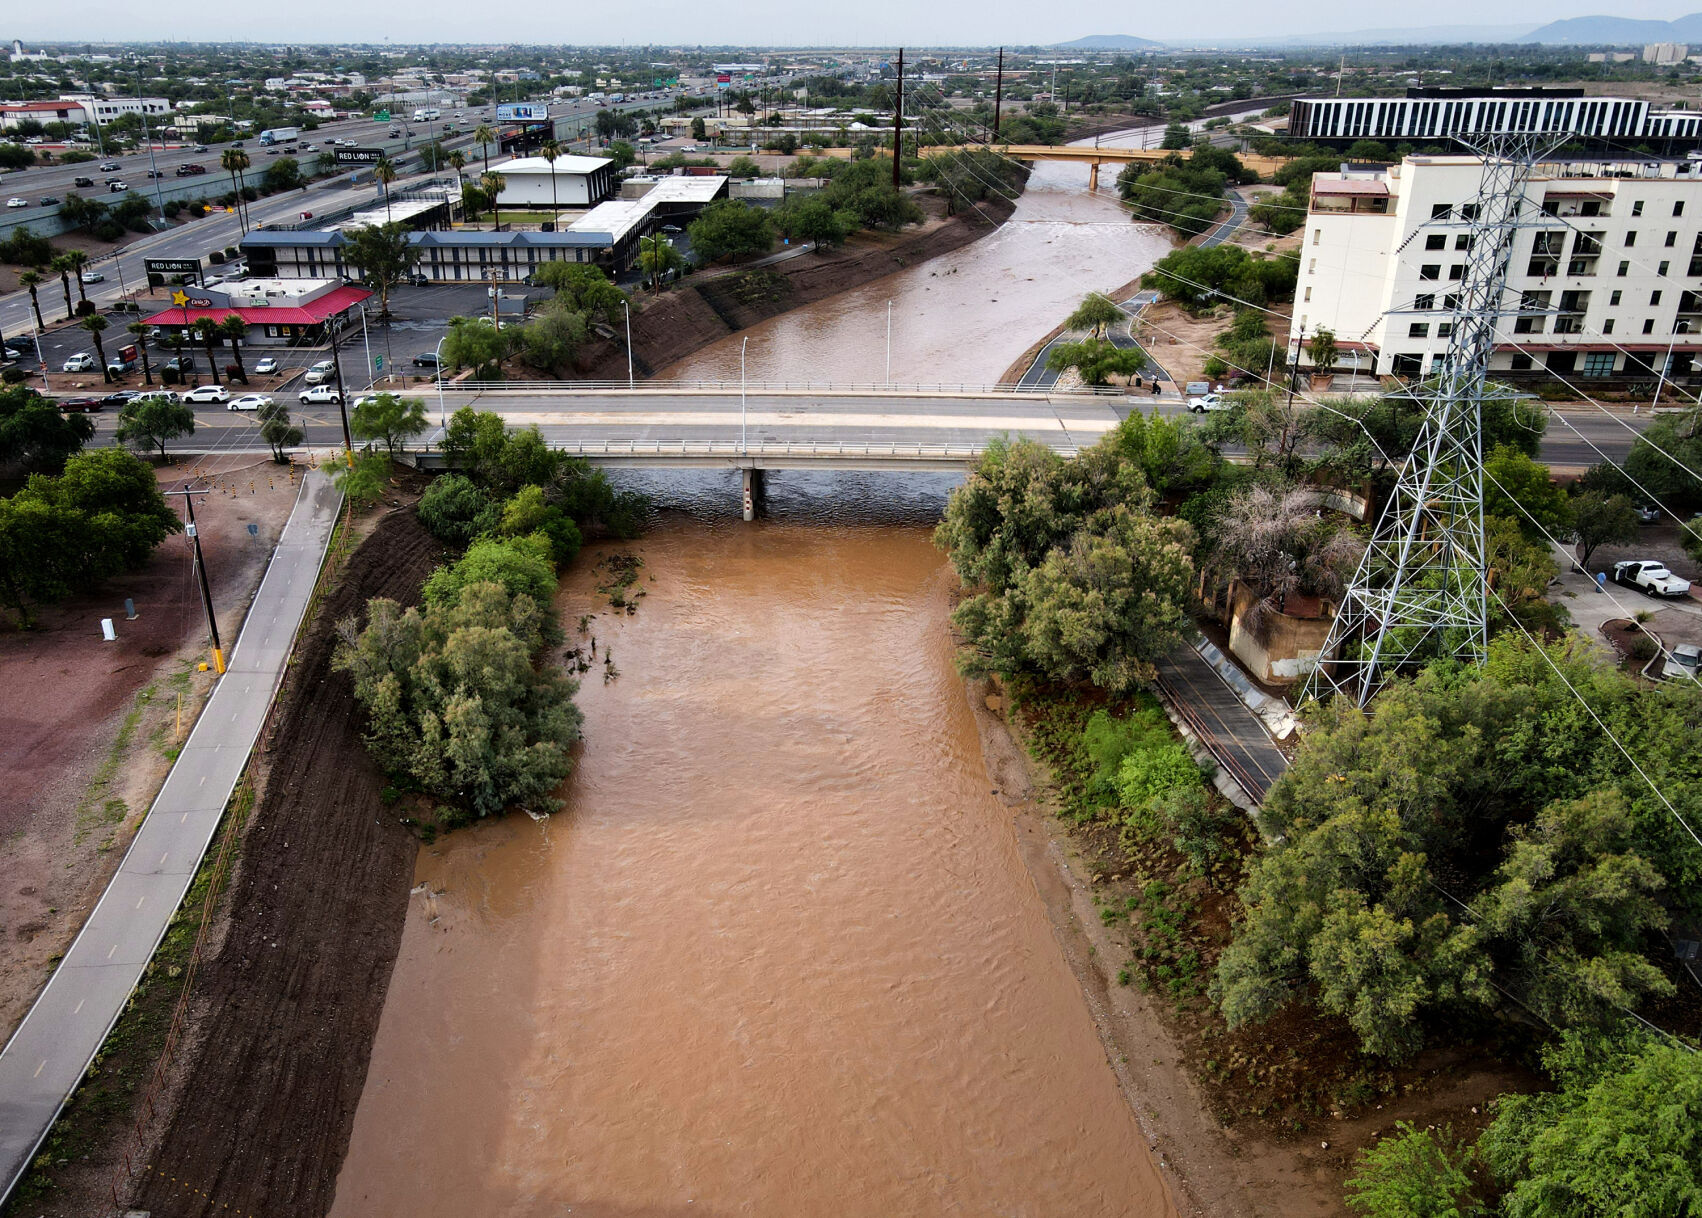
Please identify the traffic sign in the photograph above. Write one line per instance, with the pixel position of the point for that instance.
(382, 116)
(378, 363)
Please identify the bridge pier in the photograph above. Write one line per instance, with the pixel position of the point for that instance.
(753, 493)
(1093, 177)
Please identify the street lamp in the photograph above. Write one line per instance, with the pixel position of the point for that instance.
(442, 411)
(744, 447)
(625, 304)
(889, 344)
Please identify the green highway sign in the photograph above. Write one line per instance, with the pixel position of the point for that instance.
(378, 363)
(382, 116)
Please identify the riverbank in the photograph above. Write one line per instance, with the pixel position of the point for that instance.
(1264, 1122)
(701, 311)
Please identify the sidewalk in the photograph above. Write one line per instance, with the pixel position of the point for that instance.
(47, 1056)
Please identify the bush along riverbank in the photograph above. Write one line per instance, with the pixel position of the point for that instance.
(1447, 905)
(469, 704)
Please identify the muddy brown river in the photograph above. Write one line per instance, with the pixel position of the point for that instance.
(780, 954)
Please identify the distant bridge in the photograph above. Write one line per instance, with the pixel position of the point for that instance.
(1093, 156)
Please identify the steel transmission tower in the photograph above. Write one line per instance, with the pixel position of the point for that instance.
(1421, 590)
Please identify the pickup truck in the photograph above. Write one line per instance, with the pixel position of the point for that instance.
(1650, 577)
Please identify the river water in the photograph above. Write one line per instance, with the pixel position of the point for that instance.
(779, 955)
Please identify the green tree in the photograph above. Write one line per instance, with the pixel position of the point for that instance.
(1096, 359)
(456, 510)
(1419, 1173)
(282, 174)
(1599, 519)
(1661, 457)
(584, 288)
(1321, 347)
(1199, 278)
(809, 218)
(385, 171)
(362, 479)
(31, 282)
(743, 167)
(63, 265)
(493, 184)
(698, 130)
(1622, 1134)
(522, 565)
(151, 423)
(530, 513)
(78, 260)
(455, 702)
(656, 258)
(235, 162)
(484, 137)
(139, 332)
(35, 436)
(1521, 489)
(210, 334)
(551, 151)
(278, 432)
(1095, 314)
(730, 228)
(388, 417)
(472, 342)
(384, 256)
(551, 340)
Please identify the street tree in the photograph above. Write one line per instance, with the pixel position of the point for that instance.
(62, 265)
(31, 282)
(150, 424)
(385, 171)
(139, 332)
(493, 184)
(584, 287)
(1094, 314)
(384, 256)
(95, 324)
(1601, 520)
(656, 257)
(234, 330)
(234, 161)
(1321, 347)
(484, 137)
(1521, 489)
(551, 152)
(388, 417)
(278, 432)
(472, 342)
(35, 435)
(282, 174)
(552, 338)
(730, 228)
(78, 260)
(1097, 360)
(362, 478)
(810, 218)
(208, 331)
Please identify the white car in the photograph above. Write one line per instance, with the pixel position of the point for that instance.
(1685, 660)
(92, 277)
(80, 362)
(163, 395)
(1210, 401)
(1651, 577)
(266, 366)
(249, 401)
(321, 372)
(320, 393)
(14, 201)
(207, 393)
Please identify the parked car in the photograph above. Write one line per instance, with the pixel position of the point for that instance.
(109, 166)
(80, 405)
(181, 363)
(14, 201)
(417, 280)
(80, 362)
(1648, 513)
(321, 372)
(207, 393)
(266, 366)
(1685, 660)
(120, 367)
(120, 397)
(1650, 577)
(164, 395)
(320, 393)
(92, 277)
(426, 359)
(249, 401)
(1210, 401)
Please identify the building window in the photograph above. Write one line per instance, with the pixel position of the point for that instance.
(1457, 271)
(1624, 269)
(1655, 297)
(1521, 363)
(1430, 270)
(1436, 241)
(1317, 235)
(1630, 238)
(1468, 211)
(1419, 329)
(1663, 269)
(1424, 301)
(1308, 294)
(1451, 302)
(1637, 207)
(1613, 300)
(1678, 208)
(1311, 266)
(1598, 363)
(1444, 329)
(1607, 326)
(1463, 241)
(1441, 211)
(1672, 239)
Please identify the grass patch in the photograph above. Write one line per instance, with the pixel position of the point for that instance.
(93, 810)
(122, 1070)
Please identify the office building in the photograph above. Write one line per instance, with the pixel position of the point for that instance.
(1437, 116)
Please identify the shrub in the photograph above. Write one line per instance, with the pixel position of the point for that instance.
(455, 510)
(216, 257)
(1417, 1174)
(522, 565)
(108, 230)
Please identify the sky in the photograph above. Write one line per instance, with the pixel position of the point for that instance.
(764, 22)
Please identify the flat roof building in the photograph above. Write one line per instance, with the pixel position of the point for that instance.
(295, 308)
(579, 181)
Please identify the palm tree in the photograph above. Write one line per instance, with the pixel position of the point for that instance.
(551, 150)
(485, 137)
(62, 263)
(493, 184)
(78, 260)
(235, 329)
(385, 172)
(94, 323)
(30, 281)
(208, 329)
(457, 161)
(234, 161)
(140, 330)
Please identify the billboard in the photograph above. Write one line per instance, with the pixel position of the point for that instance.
(523, 112)
(358, 156)
(723, 81)
(172, 266)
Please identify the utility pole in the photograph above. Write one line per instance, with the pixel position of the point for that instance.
(1294, 368)
(342, 397)
(998, 93)
(201, 570)
(898, 121)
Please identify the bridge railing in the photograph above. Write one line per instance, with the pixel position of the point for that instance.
(758, 388)
(734, 450)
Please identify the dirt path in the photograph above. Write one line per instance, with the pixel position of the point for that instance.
(289, 1005)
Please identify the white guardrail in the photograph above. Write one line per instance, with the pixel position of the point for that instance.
(749, 388)
(733, 449)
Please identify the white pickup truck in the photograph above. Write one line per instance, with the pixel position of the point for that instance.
(1650, 577)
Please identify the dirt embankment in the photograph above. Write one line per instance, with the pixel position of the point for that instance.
(288, 1007)
(708, 309)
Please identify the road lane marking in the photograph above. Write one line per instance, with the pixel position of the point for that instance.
(110, 950)
(140, 899)
(79, 1005)
(167, 854)
(40, 1068)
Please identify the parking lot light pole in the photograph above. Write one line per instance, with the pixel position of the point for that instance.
(743, 444)
(625, 304)
(437, 371)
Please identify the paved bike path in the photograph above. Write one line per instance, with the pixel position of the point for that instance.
(45, 1059)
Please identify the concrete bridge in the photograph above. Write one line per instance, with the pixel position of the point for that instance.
(1095, 155)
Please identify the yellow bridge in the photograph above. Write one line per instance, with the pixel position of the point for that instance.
(1095, 156)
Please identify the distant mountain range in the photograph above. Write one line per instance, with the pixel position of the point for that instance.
(1571, 31)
